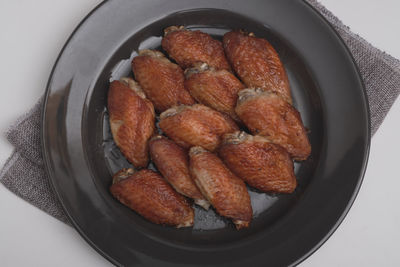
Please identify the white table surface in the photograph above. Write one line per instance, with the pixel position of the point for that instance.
(31, 36)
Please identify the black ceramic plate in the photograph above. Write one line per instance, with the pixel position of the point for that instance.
(81, 157)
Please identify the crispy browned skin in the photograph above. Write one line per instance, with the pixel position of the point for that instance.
(267, 114)
(147, 193)
(226, 192)
(217, 89)
(256, 63)
(173, 163)
(196, 125)
(161, 80)
(190, 47)
(131, 120)
(260, 163)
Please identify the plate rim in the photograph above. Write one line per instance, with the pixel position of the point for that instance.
(46, 153)
(368, 145)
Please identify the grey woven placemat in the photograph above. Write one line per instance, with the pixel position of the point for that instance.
(24, 172)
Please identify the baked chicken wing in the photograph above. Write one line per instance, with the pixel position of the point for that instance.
(196, 125)
(226, 192)
(173, 163)
(161, 80)
(131, 120)
(268, 115)
(256, 63)
(217, 89)
(260, 163)
(189, 47)
(147, 193)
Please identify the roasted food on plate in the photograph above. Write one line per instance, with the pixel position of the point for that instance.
(147, 193)
(161, 80)
(131, 120)
(190, 47)
(217, 89)
(196, 125)
(257, 63)
(172, 162)
(206, 156)
(268, 115)
(260, 163)
(226, 192)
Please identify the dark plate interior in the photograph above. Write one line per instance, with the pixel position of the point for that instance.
(210, 229)
(81, 156)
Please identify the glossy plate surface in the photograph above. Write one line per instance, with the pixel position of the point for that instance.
(81, 156)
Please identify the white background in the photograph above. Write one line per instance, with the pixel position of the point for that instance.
(31, 36)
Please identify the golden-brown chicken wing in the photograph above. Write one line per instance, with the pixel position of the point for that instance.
(257, 63)
(190, 47)
(260, 163)
(217, 89)
(173, 163)
(131, 120)
(147, 193)
(267, 114)
(226, 192)
(196, 125)
(161, 80)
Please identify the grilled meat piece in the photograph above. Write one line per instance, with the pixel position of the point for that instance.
(196, 125)
(161, 80)
(147, 193)
(131, 120)
(189, 47)
(256, 63)
(217, 89)
(260, 163)
(268, 115)
(226, 192)
(173, 163)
